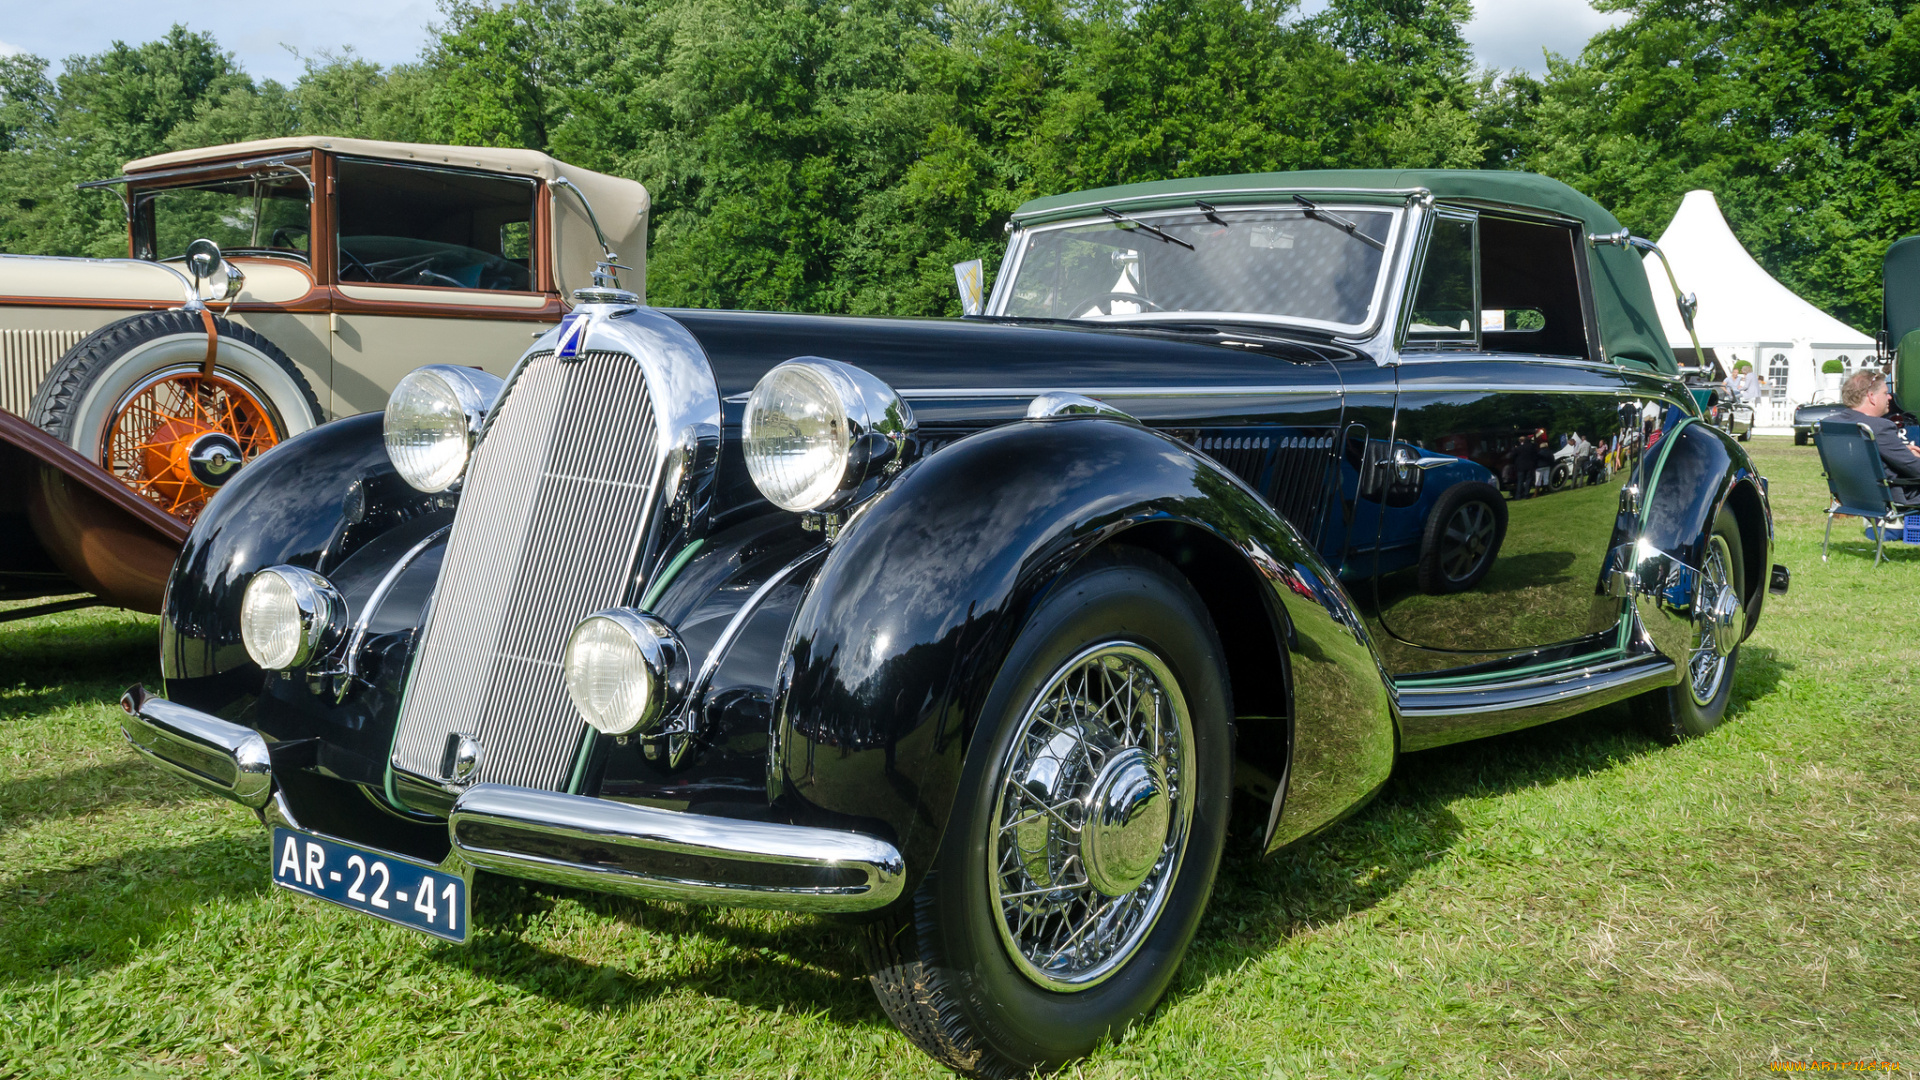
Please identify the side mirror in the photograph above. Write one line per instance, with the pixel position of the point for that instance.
(970, 277)
(205, 263)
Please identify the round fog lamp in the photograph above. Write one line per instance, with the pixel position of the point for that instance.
(625, 670)
(288, 615)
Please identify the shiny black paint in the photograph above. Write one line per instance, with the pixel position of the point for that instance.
(900, 636)
(313, 501)
(1703, 470)
(727, 772)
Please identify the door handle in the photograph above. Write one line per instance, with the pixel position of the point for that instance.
(1405, 456)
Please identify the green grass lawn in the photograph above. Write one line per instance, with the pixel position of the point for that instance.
(1575, 901)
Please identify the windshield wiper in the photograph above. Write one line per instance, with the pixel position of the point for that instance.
(1169, 238)
(1331, 218)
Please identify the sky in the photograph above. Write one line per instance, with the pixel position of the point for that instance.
(1505, 33)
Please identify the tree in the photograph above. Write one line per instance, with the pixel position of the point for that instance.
(1801, 118)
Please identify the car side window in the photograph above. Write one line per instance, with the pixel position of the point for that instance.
(1445, 302)
(1530, 287)
(408, 225)
(1505, 284)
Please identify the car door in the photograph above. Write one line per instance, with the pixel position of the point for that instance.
(1512, 438)
(430, 266)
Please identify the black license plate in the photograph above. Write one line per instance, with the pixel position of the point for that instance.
(376, 883)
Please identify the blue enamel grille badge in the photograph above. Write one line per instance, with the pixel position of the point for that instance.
(573, 334)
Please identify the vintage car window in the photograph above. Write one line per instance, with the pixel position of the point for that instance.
(1446, 308)
(407, 225)
(1279, 263)
(1530, 287)
(264, 216)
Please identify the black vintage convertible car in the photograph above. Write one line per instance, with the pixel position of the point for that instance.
(973, 627)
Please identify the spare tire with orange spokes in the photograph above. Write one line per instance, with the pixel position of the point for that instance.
(137, 397)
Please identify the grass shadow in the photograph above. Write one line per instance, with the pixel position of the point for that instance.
(1259, 904)
(812, 966)
(66, 923)
(48, 664)
(85, 790)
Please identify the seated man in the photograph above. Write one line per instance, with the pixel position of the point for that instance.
(1867, 399)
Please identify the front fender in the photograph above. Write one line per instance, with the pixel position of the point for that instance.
(312, 501)
(903, 631)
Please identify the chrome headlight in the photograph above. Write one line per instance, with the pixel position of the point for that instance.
(289, 615)
(432, 419)
(626, 671)
(816, 429)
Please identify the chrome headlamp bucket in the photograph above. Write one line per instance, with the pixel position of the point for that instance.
(288, 616)
(816, 430)
(626, 671)
(433, 418)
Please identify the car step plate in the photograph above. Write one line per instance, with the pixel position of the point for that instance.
(377, 883)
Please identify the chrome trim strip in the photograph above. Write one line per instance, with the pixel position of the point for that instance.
(222, 757)
(1563, 688)
(688, 717)
(1516, 684)
(671, 855)
(944, 393)
(934, 393)
(378, 597)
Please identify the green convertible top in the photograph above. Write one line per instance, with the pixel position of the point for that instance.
(1900, 305)
(1629, 325)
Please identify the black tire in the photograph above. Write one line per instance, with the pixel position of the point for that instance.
(88, 381)
(1799, 437)
(1681, 711)
(1456, 551)
(940, 965)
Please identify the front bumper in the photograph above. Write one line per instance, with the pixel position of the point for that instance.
(566, 839)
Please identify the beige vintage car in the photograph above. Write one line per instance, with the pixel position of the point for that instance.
(271, 286)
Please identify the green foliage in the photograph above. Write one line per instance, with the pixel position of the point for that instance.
(839, 157)
(1832, 367)
(1800, 117)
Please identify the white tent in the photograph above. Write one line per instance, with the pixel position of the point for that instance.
(1745, 314)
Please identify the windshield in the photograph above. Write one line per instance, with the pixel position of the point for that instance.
(1317, 265)
(266, 215)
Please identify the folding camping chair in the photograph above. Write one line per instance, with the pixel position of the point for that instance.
(1858, 482)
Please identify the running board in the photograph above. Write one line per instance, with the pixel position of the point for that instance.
(1438, 715)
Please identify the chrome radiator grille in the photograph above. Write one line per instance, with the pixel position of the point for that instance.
(553, 508)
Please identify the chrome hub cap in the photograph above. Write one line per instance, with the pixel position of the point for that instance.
(1093, 816)
(1127, 825)
(1716, 619)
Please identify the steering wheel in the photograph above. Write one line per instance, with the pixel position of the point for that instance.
(350, 261)
(283, 236)
(1091, 304)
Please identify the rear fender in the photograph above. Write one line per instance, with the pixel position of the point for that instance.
(902, 632)
(1701, 470)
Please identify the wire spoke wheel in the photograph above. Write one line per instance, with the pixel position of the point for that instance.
(1713, 617)
(1093, 816)
(154, 430)
(1469, 534)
